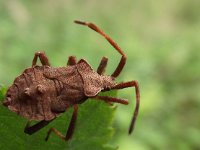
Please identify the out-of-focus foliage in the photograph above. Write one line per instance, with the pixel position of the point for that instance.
(162, 43)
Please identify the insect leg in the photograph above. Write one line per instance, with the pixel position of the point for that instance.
(36, 127)
(123, 58)
(112, 99)
(71, 61)
(56, 132)
(70, 130)
(43, 58)
(72, 124)
(126, 85)
(102, 65)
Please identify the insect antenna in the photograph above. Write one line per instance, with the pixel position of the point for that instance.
(114, 44)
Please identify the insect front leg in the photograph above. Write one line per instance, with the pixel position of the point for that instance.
(136, 85)
(43, 59)
(70, 129)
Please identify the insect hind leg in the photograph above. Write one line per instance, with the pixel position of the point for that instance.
(71, 61)
(102, 65)
(43, 59)
(70, 129)
(36, 127)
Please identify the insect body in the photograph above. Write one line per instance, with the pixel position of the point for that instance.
(41, 93)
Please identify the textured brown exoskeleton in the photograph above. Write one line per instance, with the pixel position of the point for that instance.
(41, 93)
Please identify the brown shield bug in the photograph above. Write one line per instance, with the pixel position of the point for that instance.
(41, 93)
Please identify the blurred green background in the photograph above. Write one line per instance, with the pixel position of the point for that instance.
(160, 38)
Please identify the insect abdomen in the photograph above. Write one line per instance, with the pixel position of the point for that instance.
(27, 95)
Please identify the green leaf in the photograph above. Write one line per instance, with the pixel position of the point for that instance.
(93, 129)
(3, 90)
